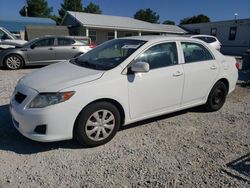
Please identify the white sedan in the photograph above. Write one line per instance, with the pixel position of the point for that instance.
(211, 40)
(119, 82)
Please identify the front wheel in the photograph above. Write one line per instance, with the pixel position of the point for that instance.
(13, 62)
(217, 97)
(97, 124)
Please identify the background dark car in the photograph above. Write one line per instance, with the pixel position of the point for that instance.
(42, 51)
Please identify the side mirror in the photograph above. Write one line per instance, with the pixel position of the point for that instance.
(32, 46)
(140, 67)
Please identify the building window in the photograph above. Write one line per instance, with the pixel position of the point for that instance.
(232, 33)
(111, 35)
(213, 31)
(93, 36)
(197, 31)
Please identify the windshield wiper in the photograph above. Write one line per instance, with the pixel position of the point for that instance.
(83, 63)
(87, 63)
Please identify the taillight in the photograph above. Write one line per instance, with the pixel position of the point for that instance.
(92, 46)
(238, 65)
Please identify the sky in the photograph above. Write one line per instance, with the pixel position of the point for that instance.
(174, 10)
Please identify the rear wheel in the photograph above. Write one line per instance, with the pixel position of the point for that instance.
(97, 124)
(217, 97)
(13, 62)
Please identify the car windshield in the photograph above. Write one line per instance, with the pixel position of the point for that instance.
(109, 54)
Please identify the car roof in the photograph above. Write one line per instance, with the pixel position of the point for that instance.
(211, 36)
(158, 38)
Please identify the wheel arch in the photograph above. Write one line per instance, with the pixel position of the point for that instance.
(225, 81)
(112, 101)
(16, 54)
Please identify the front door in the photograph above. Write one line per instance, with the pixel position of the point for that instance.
(42, 51)
(160, 89)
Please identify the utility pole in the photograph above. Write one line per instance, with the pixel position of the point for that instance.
(26, 9)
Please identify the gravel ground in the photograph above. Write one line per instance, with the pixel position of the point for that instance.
(185, 149)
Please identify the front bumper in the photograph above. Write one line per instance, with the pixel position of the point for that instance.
(59, 119)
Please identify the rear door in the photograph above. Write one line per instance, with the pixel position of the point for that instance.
(201, 70)
(65, 48)
(42, 51)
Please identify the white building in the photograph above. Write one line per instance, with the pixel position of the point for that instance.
(104, 27)
(233, 34)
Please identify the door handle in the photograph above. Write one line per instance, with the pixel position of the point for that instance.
(178, 73)
(50, 48)
(213, 67)
(74, 48)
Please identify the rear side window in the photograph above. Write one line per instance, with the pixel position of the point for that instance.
(211, 40)
(160, 55)
(65, 41)
(207, 39)
(194, 52)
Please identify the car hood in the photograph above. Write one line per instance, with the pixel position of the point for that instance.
(13, 42)
(59, 76)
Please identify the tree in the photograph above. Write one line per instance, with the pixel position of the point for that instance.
(93, 8)
(195, 19)
(168, 22)
(70, 5)
(147, 15)
(36, 8)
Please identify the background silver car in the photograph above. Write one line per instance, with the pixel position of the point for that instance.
(42, 51)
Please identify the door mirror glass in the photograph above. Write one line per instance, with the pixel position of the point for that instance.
(140, 67)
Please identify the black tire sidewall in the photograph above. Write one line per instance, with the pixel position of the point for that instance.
(13, 55)
(209, 105)
(79, 129)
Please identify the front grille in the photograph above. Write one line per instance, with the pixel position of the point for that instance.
(19, 97)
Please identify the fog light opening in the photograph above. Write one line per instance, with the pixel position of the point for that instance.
(40, 129)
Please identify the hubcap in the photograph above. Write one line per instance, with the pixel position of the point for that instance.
(218, 96)
(13, 62)
(100, 125)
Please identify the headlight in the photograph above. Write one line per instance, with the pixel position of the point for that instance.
(46, 99)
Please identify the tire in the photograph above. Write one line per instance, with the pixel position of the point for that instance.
(217, 97)
(13, 62)
(97, 124)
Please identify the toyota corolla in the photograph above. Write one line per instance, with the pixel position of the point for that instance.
(120, 82)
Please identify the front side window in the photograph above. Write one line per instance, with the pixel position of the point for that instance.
(65, 41)
(160, 55)
(109, 54)
(194, 52)
(232, 33)
(45, 42)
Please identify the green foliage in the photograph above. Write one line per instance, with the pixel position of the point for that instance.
(168, 22)
(93, 8)
(37, 8)
(195, 19)
(56, 18)
(70, 5)
(147, 15)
